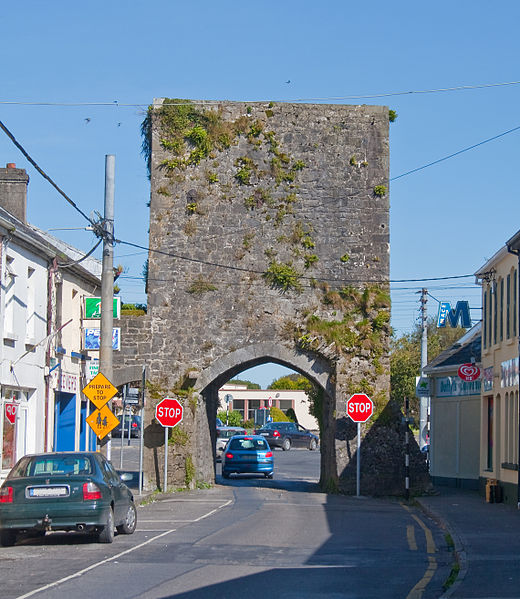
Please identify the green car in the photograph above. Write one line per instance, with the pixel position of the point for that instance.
(77, 491)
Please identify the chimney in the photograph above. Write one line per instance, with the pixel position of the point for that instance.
(13, 191)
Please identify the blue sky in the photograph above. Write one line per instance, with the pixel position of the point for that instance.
(446, 220)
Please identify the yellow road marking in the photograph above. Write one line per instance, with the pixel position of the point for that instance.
(419, 588)
(410, 535)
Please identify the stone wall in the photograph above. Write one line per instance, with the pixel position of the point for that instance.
(267, 222)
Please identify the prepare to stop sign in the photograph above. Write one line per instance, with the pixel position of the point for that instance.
(169, 412)
(360, 407)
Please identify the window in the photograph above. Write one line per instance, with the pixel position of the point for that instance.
(501, 309)
(485, 318)
(10, 300)
(490, 433)
(515, 307)
(508, 307)
(30, 325)
(495, 313)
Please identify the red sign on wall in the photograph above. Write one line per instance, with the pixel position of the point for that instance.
(10, 412)
(469, 372)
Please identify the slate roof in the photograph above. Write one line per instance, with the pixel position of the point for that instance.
(467, 347)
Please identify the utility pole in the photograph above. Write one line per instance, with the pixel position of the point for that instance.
(424, 401)
(107, 286)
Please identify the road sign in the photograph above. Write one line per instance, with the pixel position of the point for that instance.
(422, 386)
(228, 397)
(10, 412)
(469, 372)
(359, 407)
(169, 412)
(270, 402)
(100, 390)
(102, 421)
(132, 397)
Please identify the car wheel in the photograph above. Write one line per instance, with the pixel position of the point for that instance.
(128, 526)
(107, 534)
(313, 444)
(286, 445)
(8, 537)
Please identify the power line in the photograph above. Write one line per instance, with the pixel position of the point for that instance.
(116, 103)
(480, 143)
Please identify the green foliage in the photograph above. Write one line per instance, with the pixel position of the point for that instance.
(189, 470)
(164, 191)
(299, 165)
(245, 171)
(380, 190)
(178, 436)
(283, 276)
(405, 359)
(392, 115)
(200, 286)
(291, 415)
(277, 415)
(353, 161)
(345, 258)
(234, 417)
(249, 384)
(212, 177)
(309, 260)
(291, 382)
(191, 208)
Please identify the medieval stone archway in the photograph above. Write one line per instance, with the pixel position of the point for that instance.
(269, 241)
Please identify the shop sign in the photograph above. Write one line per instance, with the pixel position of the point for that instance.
(487, 379)
(449, 316)
(93, 338)
(453, 386)
(68, 383)
(509, 373)
(469, 372)
(93, 307)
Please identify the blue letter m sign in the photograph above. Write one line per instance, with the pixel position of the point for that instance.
(450, 316)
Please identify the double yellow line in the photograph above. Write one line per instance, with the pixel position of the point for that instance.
(418, 589)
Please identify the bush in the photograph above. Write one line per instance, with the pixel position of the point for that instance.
(277, 415)
(234, 417)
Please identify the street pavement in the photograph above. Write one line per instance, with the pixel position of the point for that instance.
(487, 543)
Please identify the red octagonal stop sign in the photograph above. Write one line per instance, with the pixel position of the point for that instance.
(169, 412)
(360, 407)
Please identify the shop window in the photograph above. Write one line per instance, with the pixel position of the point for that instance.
(508, 307)
(489, 462)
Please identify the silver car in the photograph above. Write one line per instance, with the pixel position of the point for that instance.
(224, 434)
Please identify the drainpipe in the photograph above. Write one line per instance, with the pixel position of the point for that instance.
(513, 247)
(51, 312)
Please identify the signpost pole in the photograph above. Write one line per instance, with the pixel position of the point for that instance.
(165, 485)
(122, 429)
(358, 465)
(142, 433)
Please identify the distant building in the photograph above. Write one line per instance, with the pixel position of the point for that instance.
(246, 401)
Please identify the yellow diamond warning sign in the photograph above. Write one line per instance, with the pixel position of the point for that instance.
(99, 390)
(102, 421)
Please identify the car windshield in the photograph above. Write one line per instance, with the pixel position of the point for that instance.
(51, 466)
(248, 445)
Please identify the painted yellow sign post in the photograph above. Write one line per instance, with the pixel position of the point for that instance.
(100, 391)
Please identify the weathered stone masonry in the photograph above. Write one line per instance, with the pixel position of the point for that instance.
(269, 231)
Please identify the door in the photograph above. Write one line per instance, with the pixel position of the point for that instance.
(65, 422)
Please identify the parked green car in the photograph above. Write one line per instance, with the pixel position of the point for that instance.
(78, 491)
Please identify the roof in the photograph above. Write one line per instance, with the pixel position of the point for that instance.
(466, 350)
(50, 246)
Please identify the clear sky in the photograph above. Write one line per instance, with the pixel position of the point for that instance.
(61, 59)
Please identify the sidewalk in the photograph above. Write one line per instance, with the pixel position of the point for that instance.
(487, 542)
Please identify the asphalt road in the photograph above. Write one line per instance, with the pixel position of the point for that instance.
(248, 537)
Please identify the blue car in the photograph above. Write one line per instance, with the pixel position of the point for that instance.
(247, 454)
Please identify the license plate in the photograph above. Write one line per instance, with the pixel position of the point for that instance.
(57, 491)
(265, 434)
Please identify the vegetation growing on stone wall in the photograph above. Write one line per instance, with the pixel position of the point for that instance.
(189, 469)
(345, 258)
(178, 436)
(283, 276)
(392, 115)
(200, 286)
(380, 190)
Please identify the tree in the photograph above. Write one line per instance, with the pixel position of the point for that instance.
(293, 382)
(249, 384)
(234, 418)
(405, 359)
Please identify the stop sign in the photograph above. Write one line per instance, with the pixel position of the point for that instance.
(169, 412)
(360, 407)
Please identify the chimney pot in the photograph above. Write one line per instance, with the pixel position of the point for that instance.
(10, 165)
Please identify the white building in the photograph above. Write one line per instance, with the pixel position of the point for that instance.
(42, 364)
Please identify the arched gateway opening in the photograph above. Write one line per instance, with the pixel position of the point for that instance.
(269, 241)
(315, 369)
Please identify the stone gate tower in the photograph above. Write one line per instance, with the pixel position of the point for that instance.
(269, 242)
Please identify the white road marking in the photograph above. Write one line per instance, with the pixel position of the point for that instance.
(115, 557)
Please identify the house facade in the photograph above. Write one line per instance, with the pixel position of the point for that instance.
(43, 366)
(455, 414)
(499, 437)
